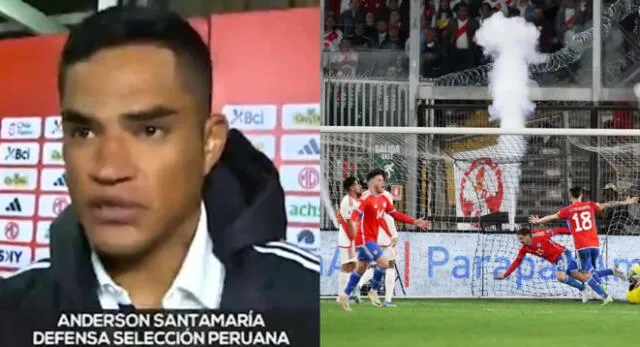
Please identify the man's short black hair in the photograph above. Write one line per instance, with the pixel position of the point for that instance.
(348, 182)
(576, 191)
(121, 26)
(376, 172)
(523, 231)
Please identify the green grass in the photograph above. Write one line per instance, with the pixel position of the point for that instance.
(480, 323)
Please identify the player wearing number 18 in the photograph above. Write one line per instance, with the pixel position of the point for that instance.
(581, 216)
(367, 219)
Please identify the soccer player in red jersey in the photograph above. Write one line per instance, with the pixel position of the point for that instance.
(538, 242)
(387, 240)
(367, 219)
(581, 216)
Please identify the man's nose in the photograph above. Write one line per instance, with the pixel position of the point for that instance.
(113, 161)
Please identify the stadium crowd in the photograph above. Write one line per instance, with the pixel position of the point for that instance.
(370, 37)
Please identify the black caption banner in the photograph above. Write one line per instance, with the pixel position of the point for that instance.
(160, 328)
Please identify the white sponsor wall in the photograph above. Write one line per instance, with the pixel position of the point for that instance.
(33, 187)
(463, 265)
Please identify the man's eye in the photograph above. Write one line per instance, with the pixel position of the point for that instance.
(81, 132)
(151, 131)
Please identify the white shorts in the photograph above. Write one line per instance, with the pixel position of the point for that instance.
(347, 255)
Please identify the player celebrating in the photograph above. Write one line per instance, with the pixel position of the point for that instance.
(345, 239)
(538, 242)
(581, 216)
(387, 240)
(368, 215)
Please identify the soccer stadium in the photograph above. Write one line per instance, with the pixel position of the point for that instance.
(480, 145)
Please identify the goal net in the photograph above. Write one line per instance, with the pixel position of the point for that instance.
(478, 185)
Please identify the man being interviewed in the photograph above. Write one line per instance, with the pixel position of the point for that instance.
(171, 209)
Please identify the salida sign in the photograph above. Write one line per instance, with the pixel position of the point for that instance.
(386, 156)
(386, 150)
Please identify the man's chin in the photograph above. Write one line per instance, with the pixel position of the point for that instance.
(116, 240)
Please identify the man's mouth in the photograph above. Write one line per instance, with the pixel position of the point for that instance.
(114, 210)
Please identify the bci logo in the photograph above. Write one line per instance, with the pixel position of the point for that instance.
(247, 117)
(17, 153)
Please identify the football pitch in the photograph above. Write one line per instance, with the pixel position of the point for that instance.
(480, 323)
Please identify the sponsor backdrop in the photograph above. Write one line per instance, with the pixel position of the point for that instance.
(463, 265)
(274, 102)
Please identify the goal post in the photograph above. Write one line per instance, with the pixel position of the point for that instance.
(478, 185)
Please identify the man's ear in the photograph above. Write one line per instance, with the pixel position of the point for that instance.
(215, 138)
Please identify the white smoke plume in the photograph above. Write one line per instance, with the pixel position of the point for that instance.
(636, 91)
(513, 45)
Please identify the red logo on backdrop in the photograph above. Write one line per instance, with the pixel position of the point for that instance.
(11, 231)
(59, 204)
(309, 178)
(481, 188)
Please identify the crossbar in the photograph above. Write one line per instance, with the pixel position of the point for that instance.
(478, 131)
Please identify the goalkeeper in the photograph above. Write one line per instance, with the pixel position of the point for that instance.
(633, 294)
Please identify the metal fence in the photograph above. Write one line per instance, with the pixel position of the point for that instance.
(365, 103)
